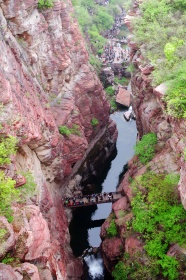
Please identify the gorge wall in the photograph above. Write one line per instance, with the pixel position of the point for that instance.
(46, 81)
(151, 116)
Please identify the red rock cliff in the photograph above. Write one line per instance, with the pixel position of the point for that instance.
(46, 81)
(151, 116)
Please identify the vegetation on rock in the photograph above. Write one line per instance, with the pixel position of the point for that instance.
(7, 148)
(110, 91)
(45, 4)
(160, 28)
(159, 220)
(145, 149)
(94, 19)
(112, 229)
(64, 130)
(8, 193)
(94, 122)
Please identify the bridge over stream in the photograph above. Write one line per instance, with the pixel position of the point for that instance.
(93, 199)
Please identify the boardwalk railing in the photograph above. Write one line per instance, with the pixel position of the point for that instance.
(94, 199)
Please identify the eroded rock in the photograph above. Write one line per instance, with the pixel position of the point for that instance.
(7, 240)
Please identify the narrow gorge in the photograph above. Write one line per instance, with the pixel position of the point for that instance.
(55, 129)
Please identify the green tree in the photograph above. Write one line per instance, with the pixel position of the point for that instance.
(103, 20)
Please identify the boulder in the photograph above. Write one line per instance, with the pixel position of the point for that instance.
(27, 271)
(7, 238)
(123, 97)
(33, 239)
(112, 248)
(120, 205)
(7, 273)
(133, 245)
(160, 90)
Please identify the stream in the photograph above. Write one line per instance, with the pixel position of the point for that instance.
(84, 233)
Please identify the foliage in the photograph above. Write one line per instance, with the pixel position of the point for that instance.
(130, 68)
(95, 62)
(28, 189)
(110, 91)
(145, 148)
(64, 130)
(7, 194)
(120, 81)
(94, 19)
(176, 93)
(94, 122)
(113, 103)
(159, 217)
(130, 268)
(45, 4)
(7, 148)
(3, 233)
(111, 98)
(8, 259)
(155, 28)
(184, 154)
(120, 271)
(112, 229)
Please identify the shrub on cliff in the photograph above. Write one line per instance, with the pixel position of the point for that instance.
(159, 221)
(7, 148)
(160, 218)
(160, 27)
(112, 229)
(7, 194)
(145, 149)
(45, 4)
(7, 191)
(64, 130)
(94, 122)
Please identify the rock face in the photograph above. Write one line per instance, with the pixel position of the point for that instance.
(46, 81)
(151, 116)
(8, 237)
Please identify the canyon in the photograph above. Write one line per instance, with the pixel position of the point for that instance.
(47, 82)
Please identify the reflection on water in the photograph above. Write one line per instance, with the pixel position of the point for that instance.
(81, 235)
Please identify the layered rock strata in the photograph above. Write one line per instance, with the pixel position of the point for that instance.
(46, 81)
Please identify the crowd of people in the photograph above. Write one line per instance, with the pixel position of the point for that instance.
(86, 199)
(114, 53)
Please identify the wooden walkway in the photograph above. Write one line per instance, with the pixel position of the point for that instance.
(89, 200)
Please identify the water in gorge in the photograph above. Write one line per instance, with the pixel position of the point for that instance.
(86, 222)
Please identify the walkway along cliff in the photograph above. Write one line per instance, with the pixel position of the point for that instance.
(47, 86)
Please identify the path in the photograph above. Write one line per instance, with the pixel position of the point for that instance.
(93, 199)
